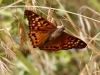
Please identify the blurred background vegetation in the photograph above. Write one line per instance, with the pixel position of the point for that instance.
(18, 57)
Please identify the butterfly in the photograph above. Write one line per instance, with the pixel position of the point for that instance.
(46, 36)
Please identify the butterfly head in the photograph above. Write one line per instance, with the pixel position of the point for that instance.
(57, 32)
(61, 27)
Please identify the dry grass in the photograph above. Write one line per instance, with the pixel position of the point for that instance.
(14, 40)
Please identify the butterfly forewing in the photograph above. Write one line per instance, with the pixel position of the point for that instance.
(69, 41)
(64, 41)
(39, 28)
(37, 22)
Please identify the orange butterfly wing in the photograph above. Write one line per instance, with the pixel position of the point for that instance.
(64, 41)
(40, 28)
(40, 31)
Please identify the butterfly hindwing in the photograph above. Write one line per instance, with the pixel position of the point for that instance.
(38, 37)
(64, 42)
(52, 46)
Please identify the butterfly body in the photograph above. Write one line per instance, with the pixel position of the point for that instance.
(57, 33)
(46, 36)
